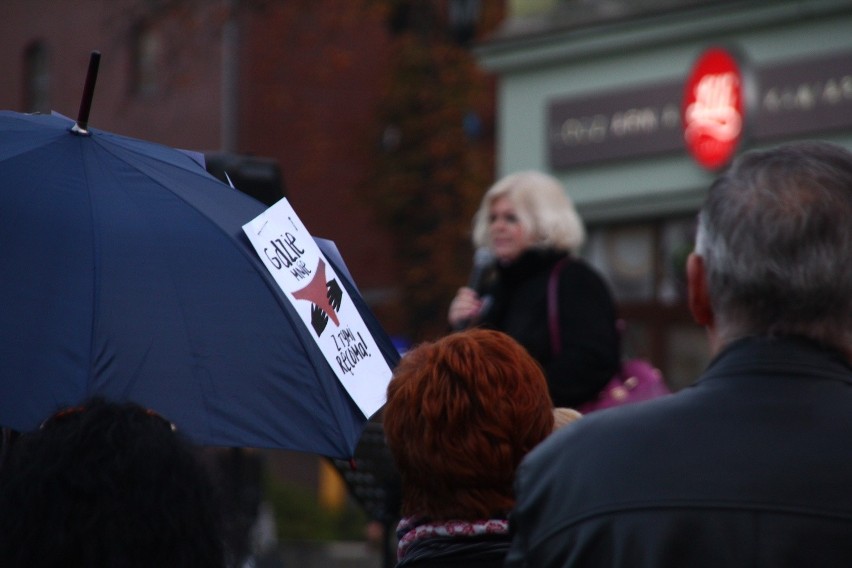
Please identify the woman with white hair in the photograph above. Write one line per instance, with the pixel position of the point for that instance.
(530, 226)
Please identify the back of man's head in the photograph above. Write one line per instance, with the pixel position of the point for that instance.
(775, 235)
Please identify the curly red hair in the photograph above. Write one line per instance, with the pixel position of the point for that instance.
(461, 413)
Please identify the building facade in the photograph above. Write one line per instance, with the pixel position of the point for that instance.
(611, 97)
(285, 91)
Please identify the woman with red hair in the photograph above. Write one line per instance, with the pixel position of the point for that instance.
(461, 413)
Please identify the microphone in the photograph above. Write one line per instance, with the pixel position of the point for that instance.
(483, 258)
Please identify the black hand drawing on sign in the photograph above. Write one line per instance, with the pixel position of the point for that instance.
(318, 319)
(335, 295)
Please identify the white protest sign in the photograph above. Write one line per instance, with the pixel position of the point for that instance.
(322, 302)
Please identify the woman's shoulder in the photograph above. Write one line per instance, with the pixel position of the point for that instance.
(578, 272)
(543, 259)
(577, 267)
(532, 264)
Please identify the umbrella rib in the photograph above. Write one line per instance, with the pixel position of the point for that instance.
(96, 284)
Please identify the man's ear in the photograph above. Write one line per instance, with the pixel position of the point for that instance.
(699, 297)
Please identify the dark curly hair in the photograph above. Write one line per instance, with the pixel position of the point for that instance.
(461, 413)
(107, 484)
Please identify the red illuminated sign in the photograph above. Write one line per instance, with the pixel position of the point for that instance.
(713, 109)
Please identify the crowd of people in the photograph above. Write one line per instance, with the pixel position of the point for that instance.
(745, 467)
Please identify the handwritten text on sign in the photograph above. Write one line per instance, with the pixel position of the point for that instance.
(295, 261)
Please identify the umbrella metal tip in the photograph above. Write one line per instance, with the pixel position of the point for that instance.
(79, 130)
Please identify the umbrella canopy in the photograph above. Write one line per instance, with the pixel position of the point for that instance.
(124, 272)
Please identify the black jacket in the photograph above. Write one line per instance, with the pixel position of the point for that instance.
(589, 354)
(749, 467)
(484, 551)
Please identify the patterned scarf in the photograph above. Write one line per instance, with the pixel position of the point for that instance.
(412, 529)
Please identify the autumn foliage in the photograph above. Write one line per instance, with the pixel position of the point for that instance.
(435, 159)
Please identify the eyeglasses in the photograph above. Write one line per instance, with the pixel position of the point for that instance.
(72, 411)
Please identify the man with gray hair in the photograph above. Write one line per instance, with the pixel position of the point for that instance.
(749, 466)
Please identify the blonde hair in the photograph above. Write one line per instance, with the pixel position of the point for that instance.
(543, 208)
(564, 416)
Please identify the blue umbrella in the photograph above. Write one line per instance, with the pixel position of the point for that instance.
(124, 272)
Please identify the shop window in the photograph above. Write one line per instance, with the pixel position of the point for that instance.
(645, 266)
(676, 242)
(625, 255)
(36, 79)
(688, 354)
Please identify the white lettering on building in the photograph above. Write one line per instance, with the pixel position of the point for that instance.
(806, 96)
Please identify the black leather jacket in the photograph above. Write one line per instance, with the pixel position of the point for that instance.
(748, 467)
